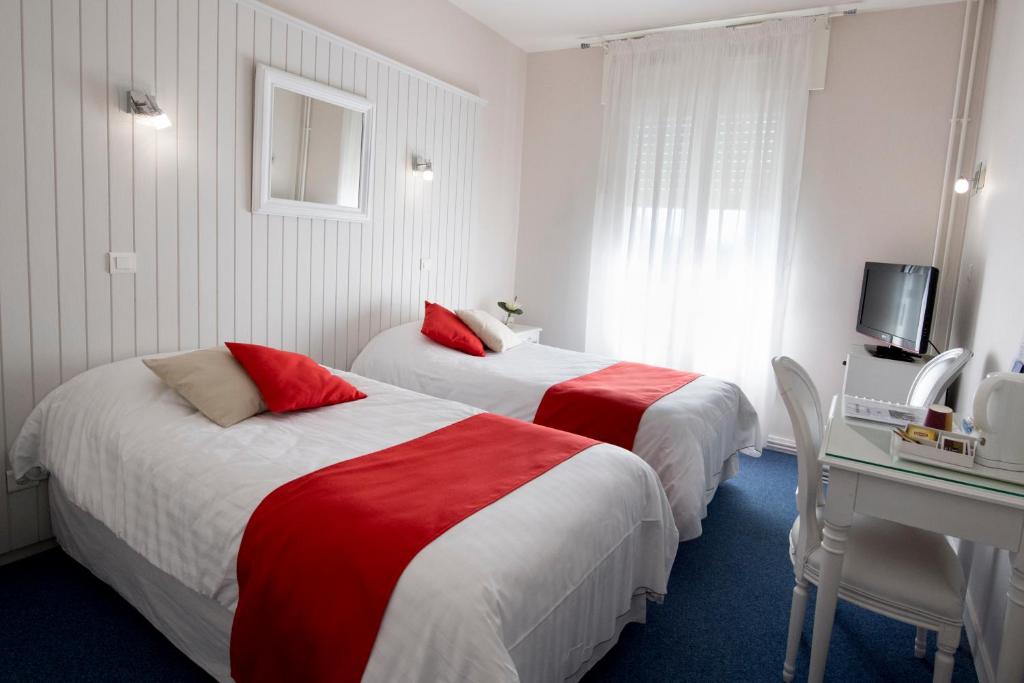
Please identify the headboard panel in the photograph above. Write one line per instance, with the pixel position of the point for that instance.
(80, 179)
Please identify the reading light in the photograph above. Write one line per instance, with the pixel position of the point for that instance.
(146, 110)
(424, 168)
(973, 185)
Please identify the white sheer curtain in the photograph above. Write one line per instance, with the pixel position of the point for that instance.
(700, 167)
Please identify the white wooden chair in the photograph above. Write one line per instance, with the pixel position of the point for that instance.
(908, 574)
(936, 376)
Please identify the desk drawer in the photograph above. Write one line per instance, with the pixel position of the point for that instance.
(944, 513)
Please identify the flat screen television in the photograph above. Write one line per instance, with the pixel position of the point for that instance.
(896, 304)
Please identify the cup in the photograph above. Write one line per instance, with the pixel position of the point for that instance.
(939, 417)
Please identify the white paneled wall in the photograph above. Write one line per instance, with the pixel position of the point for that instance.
(79, 179)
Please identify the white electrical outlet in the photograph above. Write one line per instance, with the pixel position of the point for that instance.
(120, 262)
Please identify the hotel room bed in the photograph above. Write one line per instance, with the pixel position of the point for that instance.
(154, 499)
(690, 437)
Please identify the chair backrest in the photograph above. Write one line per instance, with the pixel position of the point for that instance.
(936, 376)
(803, 404)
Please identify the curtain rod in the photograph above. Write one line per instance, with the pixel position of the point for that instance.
(603, 41)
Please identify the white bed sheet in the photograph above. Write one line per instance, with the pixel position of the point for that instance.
(502, 596)
(687, 436)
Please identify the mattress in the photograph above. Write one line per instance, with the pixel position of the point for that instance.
(534, 587)
(690, 436)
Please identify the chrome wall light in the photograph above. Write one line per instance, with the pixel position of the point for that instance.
(963, 185)
(424, 168)
(146, 110)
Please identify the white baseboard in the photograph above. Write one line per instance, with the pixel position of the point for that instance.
(979, 649)
(22, 553)
(781, 444)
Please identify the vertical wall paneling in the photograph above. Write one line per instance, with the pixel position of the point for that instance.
(226, 187)
(83, 178)
(260, 273)
(278, 50)
(36, 90)
(165, 26)
(370, 302)
(289, 263)
(206, 173)
(15, 336)
(40, 196)
(471, 216)
(303, 270)
(188, 139)
(144, 160)
(95, 177)
(427, 204)
(67, 129)
(386, 242)
(245, 32)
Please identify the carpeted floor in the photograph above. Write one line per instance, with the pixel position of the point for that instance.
(724, 618)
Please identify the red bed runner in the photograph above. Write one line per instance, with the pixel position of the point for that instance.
(607, 405)
(321, 555)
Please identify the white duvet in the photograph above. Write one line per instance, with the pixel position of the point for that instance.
(523, 590)
(686, 436)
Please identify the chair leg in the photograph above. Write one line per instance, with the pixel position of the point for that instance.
(948, 640)
(796, 628)
(921, 642)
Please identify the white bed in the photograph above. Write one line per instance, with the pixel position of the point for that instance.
(154, 498)
(690, 437)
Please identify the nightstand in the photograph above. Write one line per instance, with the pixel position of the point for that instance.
(528, 333)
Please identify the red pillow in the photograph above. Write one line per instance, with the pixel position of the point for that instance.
(290, 381)
(446, 329)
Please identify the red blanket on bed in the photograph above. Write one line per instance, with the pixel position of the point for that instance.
(608, 405)
(321, 555)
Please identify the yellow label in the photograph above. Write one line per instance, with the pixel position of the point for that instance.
(922, 433)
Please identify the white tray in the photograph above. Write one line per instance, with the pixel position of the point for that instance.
(932, 455)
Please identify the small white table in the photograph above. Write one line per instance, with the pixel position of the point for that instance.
(865, 478)
(528, 333)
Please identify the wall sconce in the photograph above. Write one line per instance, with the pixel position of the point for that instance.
(146, 110)
(424, 168)
(974, 185)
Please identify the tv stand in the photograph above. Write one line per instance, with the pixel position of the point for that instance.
(881, 378)
(891, 353)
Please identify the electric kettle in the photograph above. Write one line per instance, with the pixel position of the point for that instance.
(999, 417)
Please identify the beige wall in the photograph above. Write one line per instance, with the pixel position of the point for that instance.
(989, 317)
(439, 39)
(876, 141)
(561, 150)
(872, 178)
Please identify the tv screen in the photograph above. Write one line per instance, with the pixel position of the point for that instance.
(896, 303)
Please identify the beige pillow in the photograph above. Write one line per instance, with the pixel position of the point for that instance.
(213, 382)
(492, 332)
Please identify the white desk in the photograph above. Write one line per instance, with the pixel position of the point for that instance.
(865, 478)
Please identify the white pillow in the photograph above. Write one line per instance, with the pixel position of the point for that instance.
(492, 332)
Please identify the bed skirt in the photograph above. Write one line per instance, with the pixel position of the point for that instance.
(198, 626)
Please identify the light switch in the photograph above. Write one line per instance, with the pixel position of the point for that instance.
(426, 264)
(120, 262)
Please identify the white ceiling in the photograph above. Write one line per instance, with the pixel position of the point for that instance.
(537, 25)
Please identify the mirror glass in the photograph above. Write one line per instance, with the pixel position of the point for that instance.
(315, 150)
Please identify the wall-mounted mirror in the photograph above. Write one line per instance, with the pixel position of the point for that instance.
(311, 148)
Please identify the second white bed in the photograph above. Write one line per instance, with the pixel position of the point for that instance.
(690, 437)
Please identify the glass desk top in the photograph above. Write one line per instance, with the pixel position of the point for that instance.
(869, 443)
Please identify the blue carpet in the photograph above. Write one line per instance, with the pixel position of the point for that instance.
(724, 618)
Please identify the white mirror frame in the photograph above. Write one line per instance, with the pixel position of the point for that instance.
(268, 78)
